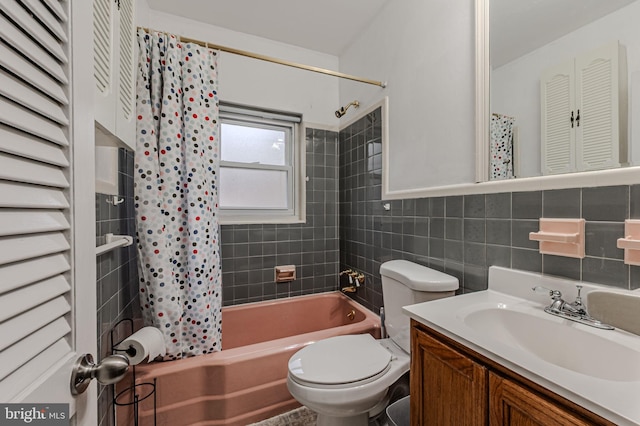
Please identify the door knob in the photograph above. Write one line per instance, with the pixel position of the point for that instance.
(108, 371)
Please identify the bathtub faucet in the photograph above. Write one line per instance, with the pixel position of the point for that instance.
(354, 280)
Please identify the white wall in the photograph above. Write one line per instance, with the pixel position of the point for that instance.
(258, 83)
(515, 87)
(424, 50)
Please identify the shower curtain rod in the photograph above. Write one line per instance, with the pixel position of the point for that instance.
(274, 60)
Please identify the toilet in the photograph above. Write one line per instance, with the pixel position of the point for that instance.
(346, 379)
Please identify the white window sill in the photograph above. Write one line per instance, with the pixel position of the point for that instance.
(260, 220)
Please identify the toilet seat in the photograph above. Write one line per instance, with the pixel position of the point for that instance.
(340, 360)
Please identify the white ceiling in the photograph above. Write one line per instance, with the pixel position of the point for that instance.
(520, 26)
(330, 26)
(327, 26)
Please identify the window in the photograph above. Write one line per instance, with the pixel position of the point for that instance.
(261, 166)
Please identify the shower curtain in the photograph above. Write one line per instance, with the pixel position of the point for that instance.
(501, 147)
(176, 194)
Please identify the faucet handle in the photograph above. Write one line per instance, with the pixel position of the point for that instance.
(578, 301)
(555, 294)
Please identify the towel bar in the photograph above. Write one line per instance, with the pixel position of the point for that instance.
(114, 241)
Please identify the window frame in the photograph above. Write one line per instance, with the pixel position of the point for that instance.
(294, 158)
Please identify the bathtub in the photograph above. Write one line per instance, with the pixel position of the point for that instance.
(246, 381)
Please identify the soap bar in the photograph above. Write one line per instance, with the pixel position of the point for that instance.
(616, 309)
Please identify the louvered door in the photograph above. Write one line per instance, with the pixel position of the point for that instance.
(557, 104)
(583, 113)
(597, 102)
(104, 62)
(38, 199)
(114, 61)
(125, 112)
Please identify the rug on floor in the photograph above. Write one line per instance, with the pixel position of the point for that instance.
(299, 417)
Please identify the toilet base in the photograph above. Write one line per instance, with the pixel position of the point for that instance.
(357, 420)
(354, 403)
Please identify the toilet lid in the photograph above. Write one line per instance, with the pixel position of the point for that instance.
(340, 359)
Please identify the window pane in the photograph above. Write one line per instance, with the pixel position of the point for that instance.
(246, 144)
(250, 188)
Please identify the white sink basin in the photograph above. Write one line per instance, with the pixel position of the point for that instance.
(559, 342)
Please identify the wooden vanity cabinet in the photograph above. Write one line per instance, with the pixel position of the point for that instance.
(451, 385)
(514, 405)
(447, 387)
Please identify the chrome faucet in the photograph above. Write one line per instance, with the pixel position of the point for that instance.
(574, 311)
(559, 306)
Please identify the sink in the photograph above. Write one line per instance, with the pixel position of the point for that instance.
(595, 369)
(559, 342)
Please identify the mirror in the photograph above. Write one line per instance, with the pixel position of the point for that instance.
(532, 94)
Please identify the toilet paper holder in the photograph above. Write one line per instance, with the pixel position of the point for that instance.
(134, 394)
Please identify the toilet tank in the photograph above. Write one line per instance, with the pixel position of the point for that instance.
(406, 283)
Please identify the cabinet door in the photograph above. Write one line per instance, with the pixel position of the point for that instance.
(104, 62)
(557, 127)
(597, 105)
(126, 104)
(513, 405)
(447, 388)
(114, 69)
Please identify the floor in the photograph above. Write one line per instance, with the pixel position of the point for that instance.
(304, 417)
(398, 410)
(299, 417)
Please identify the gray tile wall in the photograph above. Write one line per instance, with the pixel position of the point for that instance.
(117, 274)
(250, 252)
(460, 235)
(464, 235)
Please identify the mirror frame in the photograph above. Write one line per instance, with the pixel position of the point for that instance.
(483, 89)
(620, 176)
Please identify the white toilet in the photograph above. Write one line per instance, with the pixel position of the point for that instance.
(345, 379)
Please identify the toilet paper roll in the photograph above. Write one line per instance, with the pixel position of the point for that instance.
(148, 342)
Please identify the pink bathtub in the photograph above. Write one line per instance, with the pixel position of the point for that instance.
(246, 382)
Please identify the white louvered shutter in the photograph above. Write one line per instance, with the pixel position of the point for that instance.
(34, 186)
(125, 115)
(557, 104)
(114, 47)
(597, 101)
(104, 62)
(102, 43)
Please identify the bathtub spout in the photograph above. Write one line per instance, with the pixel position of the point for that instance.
(350, 289)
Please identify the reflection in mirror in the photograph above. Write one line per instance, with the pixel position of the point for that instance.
(563, 74)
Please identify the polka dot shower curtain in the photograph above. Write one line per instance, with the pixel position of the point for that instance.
(176, 195)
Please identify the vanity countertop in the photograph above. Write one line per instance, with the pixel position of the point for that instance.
(597, 369)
